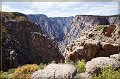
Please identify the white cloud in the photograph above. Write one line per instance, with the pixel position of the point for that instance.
(103, 9)
(9, 8)
(62, 8)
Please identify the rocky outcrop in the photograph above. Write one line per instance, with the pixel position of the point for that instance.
(54, 27)
(96, 64)
(85, 75)
(99, 41)
(24, 42)
(82, 23)
(115, 56)
(55, 71)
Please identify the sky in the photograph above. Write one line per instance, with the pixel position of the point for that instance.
(62, 9)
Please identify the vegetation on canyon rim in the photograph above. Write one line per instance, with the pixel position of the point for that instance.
(80, 66)
(109, 73)
(25, 71)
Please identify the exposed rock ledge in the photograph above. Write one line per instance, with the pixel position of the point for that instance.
(101, 41)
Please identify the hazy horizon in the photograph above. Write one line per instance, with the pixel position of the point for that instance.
(62, 9)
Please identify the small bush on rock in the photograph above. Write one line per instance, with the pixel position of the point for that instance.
(53, 62)
(80, 65)
(24, 72)
(69, 62)
(99, 27)
(108, 73)
(42, 66)
(10, 71)
(3, 75)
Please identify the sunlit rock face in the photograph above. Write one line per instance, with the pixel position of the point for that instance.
(82, 23)
(92, 36)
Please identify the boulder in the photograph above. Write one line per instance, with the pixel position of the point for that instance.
(10, 75)
(96, 64)
(55, 71)
(77, 54)
(91, 48)
(84, 75)
(77, 76)
(108, 30)
(108, 49)
(115, 56)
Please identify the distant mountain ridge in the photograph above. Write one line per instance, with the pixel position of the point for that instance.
(55, 27)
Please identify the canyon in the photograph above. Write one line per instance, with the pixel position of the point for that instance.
(36, 38)
(55, 27)
(64, 30)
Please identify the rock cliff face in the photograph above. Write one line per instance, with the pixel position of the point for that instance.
(82, 23)
(55, 27)
(92, 36)
(99, 41)
(24, 42)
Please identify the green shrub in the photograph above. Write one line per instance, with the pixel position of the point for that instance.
(24, 72)
(1, 72)
(80, 65)
(69, 62)
(3, 75)
(42, 66)
(99, 27)
(108, 73)
(10, 71)
(53, 62)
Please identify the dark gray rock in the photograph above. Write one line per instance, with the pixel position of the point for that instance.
(24, 42)
(55, 27)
